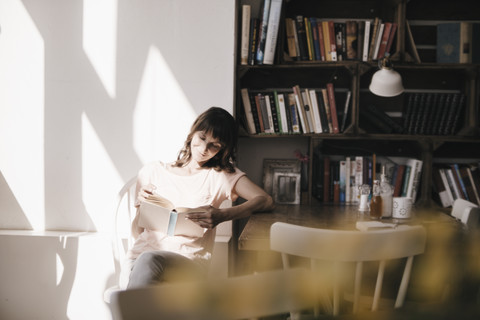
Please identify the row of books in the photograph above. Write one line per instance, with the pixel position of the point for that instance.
(293, 110)
(259, 34)
(457, 42)
(338, 180)
(433, 113)
(456, 181)
(310, 38)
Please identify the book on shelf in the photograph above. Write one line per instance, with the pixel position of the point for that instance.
(351, 39)
(439, 189)
(378, 40)
(301, 109)
(434, 113)
(384, 40)
(247, 108)
(333, 46)
(262, 114)
(414, 178)
(326, 104)
(366, 40)
(290, 32)
(322, 111)
(454, 42)
(253, 40)
(398, 180)
(301, 37)
(458, 181)
(342, 180)
(246, 17)
(373, 37)
(316, 113)
(272, 31)
(272, 112)
(391, 37)
(321, 40)
(281, 111)
(262, 32)
(378, 119)
(468, 184)
(360, 39)
(307, 104)
(448, 191)
(453, 186)
(292, 108)
(333, 107)
(159, 214)
(474, 175)
(340, 40)
(345, 111)
(316, 43)
(309, 37)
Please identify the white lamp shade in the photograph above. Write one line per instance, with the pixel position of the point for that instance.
(386, 83)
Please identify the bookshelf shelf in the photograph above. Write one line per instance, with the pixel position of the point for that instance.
(459, 142)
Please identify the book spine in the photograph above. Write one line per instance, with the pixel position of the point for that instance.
(272, 32)
(406, 179)
(458, 180)
(448, 42)
(270, 116)
(378, 40)
(263, 32)
(345, 111)
(439, 188)
(443, 176)
(290, 34)
(302, 37)
(366, 38)
(321, 40)
(373, 38)
(333, 107)
(360, 39)
(172, 223)
(301, 109)
(315, 111)
(322, 112)
(414, 180)
(282, 111)
(351, 39)
(292, 105)
(308, 32)
(307, 104)
(476, 191)
(391, 37)
(326, 104)
(333, 46)
(246, 9)
(384, 41)
(452, 184)
(248, 111)
(316, 43)
(400, 172)
(273, 110)
(326, 41)
(253, 43)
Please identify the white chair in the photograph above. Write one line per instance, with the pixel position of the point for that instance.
(122, 239)
(251, 296)
(341, 246)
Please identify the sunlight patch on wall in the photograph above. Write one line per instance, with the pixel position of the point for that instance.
(22, 103)
(99, 178)
(163, 115)
(100, 40)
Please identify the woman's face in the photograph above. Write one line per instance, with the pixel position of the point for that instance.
(204, 147)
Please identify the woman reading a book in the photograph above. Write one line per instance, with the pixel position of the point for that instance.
(203, 176)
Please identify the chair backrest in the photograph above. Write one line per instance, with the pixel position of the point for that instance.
(351, 246)
(242, 297)
(124, 214)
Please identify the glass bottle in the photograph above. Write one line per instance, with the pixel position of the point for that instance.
(364, 191)
(376, 202)
(386, 191)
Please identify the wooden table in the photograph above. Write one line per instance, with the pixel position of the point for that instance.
(256, 234)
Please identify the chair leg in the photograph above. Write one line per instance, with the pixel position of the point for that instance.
(378, 285)
(402, 291)
(357, 286)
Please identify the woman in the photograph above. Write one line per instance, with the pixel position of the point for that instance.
(204, 175)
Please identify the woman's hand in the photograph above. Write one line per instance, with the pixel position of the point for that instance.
(207, 217)
(145, 192)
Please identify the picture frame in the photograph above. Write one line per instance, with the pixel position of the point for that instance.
(286, 187)
(271, 166)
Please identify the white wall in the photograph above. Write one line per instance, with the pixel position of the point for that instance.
(91, 90)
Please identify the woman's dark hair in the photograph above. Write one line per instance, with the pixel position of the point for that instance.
(222, 126)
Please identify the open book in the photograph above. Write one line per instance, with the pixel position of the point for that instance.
(158, 213)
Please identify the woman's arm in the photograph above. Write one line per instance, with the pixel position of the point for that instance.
(257, 200)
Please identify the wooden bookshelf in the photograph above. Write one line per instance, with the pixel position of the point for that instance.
(355, 75)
